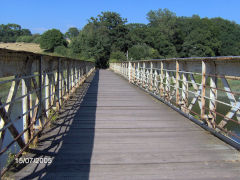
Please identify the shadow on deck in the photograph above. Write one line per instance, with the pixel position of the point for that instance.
(69, 143)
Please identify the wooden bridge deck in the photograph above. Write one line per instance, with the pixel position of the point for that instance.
(119, 132)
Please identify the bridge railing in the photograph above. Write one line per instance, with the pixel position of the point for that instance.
(206, 90)
(32, 89)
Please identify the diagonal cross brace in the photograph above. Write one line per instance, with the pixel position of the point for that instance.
(234, 103)
(11, 128)
(197, 95)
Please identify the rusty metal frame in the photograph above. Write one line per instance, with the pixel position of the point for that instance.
(174, 81)
(36, 74)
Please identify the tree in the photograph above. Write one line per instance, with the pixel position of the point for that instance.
(164, 20)
(159, 41)
(26, 39)
(51, 39)
(72, 33)
(143, 51)
(118, 56)
(61, 50)
(137, 33)
(200, 43)
(102, 35)
(161, 17)
(114, 27)
(10, 32)
(228, 33)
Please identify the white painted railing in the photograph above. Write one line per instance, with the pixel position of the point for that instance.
(203, 89)
(41, 84)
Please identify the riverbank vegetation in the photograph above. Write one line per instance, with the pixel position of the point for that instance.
(108, 37)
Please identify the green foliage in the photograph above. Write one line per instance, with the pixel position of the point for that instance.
(200, 43)
(228, 33)
(118, 56)
(161, 42)
(51, 39)
(36, 38)
(26, 39)
(11, 155)
(161, 17)
(142, 52)
(137, 33)
(10, 32)
(102, 35)
(53, 114)
(61, 50)
(166, 36)
(165, 21)
(72, 33)
(108, 37)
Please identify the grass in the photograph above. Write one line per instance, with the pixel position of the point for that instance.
(35, 48)
(11, 157)
(31, 47)
(53, 114)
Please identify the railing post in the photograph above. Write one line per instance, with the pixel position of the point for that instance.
(143, 75)
(138, 72)
(203, 90)
(177, 83)
(75, 74)
(79, 73)
(185, 92)
(68, 79)
(40, 112)
(126, 69)
(129, 71)
(167, 87)
(121, 68)
(213, 97)
(63, 82)
(161, 81)
(134, 69)
(72, 75)
(58, 85)
(151, 76)
(24, 110)
(47, 89)
(50, 79)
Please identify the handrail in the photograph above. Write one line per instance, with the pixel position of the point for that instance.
(206, 89)
(41, 83)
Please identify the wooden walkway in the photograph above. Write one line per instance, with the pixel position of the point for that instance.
(118, 132)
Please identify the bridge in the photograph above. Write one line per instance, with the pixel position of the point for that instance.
(155, 119)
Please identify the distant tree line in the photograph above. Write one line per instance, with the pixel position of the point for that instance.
(108, 37)
(15, 33)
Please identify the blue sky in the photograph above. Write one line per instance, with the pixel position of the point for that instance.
(40, 15)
